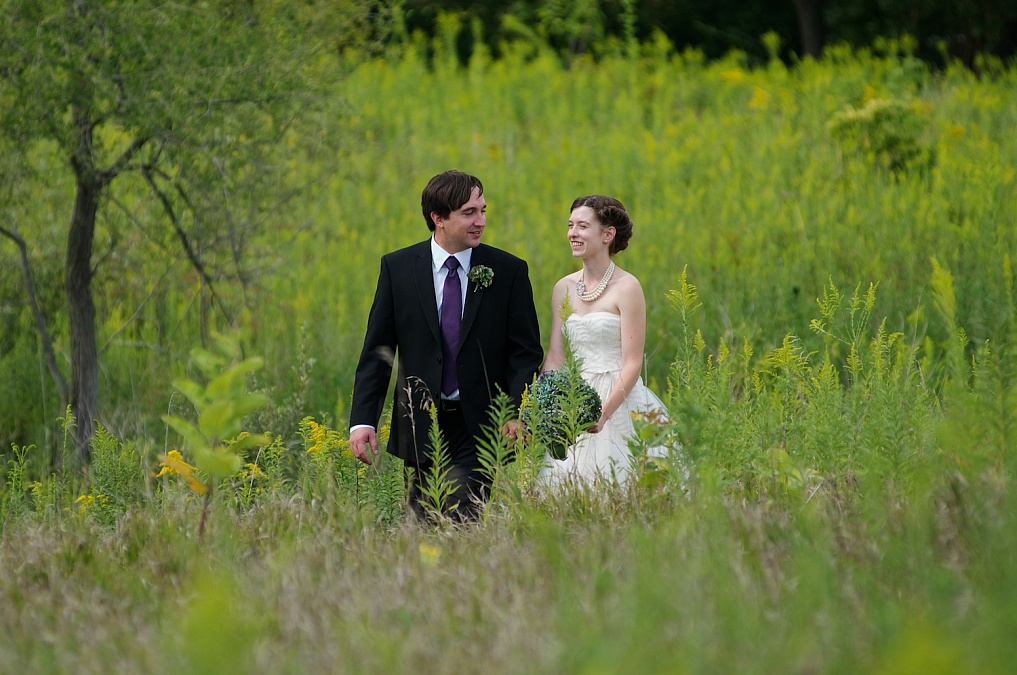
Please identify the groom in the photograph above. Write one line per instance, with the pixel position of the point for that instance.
(458, 319)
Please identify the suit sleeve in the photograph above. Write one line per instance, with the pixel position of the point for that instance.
(524, 351)
(377, 356)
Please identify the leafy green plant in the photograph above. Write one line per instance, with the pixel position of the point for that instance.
(436, 488)
(117, 476)
(14, 500)
(657, 456)
(495, 450)
(887, 131)
(562, 406)
(215, 439)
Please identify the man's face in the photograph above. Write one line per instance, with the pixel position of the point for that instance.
(463, 227)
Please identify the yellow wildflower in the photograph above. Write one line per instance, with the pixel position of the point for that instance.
(735, 75)
(344, 447)
(318, 436)
(429, 554)
(173, 462)
(84, 502)
(955, 131)
(760, 99)
(88, 502)
(252, 472)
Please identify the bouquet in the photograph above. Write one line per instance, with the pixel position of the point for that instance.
(561, 406)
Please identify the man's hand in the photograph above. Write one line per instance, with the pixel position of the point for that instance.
(360, 440)
(511, 430)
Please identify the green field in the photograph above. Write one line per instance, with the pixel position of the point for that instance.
(827, 253)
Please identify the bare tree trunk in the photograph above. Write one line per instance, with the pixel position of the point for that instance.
(89, 183)
(78, 284)
(810, 26)
(81, 313)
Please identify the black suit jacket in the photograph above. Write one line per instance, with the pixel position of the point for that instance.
(499, 345)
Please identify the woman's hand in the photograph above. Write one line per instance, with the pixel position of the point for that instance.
(597, 426)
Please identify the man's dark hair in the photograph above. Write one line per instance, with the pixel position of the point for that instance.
(446, 192)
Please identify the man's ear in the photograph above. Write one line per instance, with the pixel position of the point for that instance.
(435, 218)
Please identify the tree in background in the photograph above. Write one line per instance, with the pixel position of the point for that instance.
(960, 29)
(182, 102)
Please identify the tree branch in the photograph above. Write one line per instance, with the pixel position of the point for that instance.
(40, 321)
(137, 312)
(116, 167)
(189, 251)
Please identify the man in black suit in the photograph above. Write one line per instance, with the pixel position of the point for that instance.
(457, 318)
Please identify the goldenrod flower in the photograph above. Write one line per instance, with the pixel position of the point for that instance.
(344, 447)
(429, 554)
(318, 436)
(173, 462)
(88, 502)
(954, 131)
(252, 472)
(760, 99)
(735, 75)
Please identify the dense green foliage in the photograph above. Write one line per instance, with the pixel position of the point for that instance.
(940, 28)
(562, 404)
(827, 254)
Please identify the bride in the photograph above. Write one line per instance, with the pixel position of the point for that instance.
(607, 331)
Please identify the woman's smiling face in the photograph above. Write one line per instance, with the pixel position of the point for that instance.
(586, 234)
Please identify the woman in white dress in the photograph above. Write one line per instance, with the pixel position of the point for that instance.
(607, 331)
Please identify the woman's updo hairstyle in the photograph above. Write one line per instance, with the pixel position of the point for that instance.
(611, 213)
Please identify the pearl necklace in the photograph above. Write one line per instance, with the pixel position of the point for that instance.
(599, 290)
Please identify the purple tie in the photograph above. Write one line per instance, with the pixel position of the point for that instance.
(451, 317)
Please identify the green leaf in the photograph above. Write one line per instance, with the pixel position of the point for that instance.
(225, 385)
(219, 420)
(206, 361)
(192, 391)
(249, 441)
(192, 435)
(218, 464)
(231, 380)
(248, 403)
(228, 345)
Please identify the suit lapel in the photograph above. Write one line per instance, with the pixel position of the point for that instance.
(474, 295)
(423, 279)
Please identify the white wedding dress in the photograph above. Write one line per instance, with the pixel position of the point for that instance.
(596, 340)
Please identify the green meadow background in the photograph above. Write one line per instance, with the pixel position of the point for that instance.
(826, 250)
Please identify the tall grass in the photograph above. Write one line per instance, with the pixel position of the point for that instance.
(835, 338)
(811, 524)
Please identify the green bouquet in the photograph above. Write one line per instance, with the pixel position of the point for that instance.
(561, 406)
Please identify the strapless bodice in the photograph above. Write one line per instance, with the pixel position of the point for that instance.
(596, 339)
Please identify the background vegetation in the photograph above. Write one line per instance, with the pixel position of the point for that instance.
(827, 251)
(942, 30)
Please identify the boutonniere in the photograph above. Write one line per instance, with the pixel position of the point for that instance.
(481, 276)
